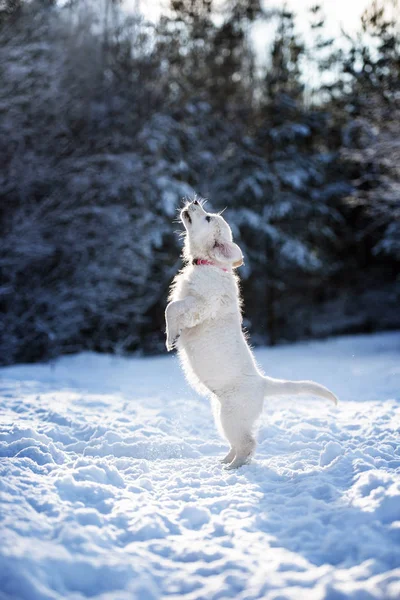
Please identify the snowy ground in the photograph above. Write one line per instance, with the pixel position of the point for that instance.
(111, 487)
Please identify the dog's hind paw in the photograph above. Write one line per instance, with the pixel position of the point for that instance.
(237, 462)
(228, 458)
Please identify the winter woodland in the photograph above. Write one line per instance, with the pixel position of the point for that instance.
(108, 120)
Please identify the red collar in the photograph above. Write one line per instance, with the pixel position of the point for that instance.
(203, 261)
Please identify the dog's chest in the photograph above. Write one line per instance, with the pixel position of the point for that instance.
(207, 283)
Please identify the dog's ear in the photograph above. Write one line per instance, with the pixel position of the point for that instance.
(228, 253)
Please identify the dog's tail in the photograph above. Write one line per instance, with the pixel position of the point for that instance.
(282, 387)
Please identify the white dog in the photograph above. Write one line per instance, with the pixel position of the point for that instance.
(204, 321)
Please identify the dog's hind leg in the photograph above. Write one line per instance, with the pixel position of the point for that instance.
(216, 408)
(238, 431)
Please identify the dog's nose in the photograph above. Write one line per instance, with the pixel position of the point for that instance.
(195, 202)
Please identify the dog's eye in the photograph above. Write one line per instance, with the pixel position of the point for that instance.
(208, 219)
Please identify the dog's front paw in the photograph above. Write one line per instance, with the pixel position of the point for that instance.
(171, 341)
(172, 329)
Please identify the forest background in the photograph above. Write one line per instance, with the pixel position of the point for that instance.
(108, 119)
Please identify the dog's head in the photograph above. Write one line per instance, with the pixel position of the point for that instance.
(209, 237)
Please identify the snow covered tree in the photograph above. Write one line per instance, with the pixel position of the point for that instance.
(372, 133)
(107, 122)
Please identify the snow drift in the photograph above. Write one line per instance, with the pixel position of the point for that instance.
(111, 487)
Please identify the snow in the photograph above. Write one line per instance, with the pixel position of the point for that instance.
(111, 487)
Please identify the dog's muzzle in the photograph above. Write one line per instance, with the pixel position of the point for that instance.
(186, 215)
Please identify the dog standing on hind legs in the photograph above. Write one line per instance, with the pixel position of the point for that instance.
(204, 322)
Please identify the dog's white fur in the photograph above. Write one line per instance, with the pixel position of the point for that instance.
(204, 321)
